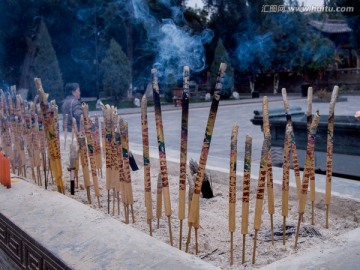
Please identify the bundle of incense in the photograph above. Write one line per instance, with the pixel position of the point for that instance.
(329, 153)
(232, 189)
(194, 215)
(146, 158)
(307, 168)
(66, 120)
(53, 147)
(90, 146)
(293, 143)
(107, 111)
(114, 158)
(261, 188)
(312, 172)
(71, 168)
(129, 199)
(269, 174)
(285, 179)
(159, 200)
(162, 153)
(97, 145)
(246, 192)
(183, 149)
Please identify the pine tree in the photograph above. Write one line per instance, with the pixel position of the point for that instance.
(116, 71)
(222, 56)
(46, 66)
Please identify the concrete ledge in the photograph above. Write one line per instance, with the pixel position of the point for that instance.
(83, 238)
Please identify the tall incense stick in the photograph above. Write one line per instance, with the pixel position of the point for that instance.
(269, 173)
(293, 144)
(246, 192)
(307, 168)
(183, 150)
(312, 171)
(285, 179)
(329, 153)
(129, 198)
(107, 111)
(146, 157)
(232, 189)
(194, 215)
(162, 153)
(261, 188)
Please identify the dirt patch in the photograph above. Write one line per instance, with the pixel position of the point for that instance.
(214, 236)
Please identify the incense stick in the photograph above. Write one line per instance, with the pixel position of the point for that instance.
(162, 153)
(194, 214)
(146, 158)
(183, 149)
(232, 188)
(269, 173)
(261, 188)
(285, 179)
(329, 152)
(308, 163)
(246, 192)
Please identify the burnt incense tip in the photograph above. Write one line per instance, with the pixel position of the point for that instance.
(153, 71)
(186, 69)
(283, 91)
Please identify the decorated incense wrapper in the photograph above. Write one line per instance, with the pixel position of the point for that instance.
(146, 159)
(261, 188)
(159, 199)
(90, 146)
(194, 208)
(120, 182)
(269, 174)
(286, 177)
(307, 168)
(71, 168)
(246, 192)
(293, 143)
(183, 148)
(232, 188)
(52, 142)
(161, 147)
(329, 153)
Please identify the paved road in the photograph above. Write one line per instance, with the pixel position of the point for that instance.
(229, 112)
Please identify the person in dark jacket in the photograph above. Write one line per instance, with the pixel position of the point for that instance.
(72, 106)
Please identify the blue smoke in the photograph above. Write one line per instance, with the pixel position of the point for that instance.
(254, 53)
(172, 41)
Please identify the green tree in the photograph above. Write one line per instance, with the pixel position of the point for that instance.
(222, 56)
(46, 65)
(116, 71)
